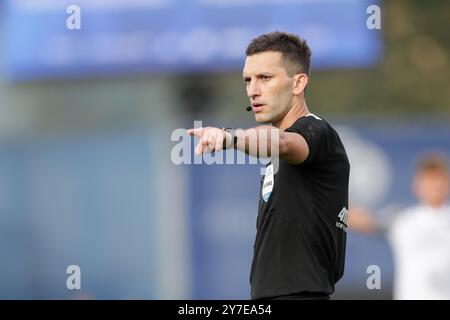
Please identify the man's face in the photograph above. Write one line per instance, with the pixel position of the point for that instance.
(432, 187)
(268, 85)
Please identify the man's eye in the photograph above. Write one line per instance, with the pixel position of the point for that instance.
(265, 77)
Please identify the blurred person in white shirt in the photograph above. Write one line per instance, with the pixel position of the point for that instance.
(419, 236)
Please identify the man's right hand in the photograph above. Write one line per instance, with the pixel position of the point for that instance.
(211, 139)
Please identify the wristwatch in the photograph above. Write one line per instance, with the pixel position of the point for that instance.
(234, 138)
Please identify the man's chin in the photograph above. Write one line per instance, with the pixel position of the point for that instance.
(261, 119)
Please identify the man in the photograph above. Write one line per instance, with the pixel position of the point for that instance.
(300, 242)
(419, 236)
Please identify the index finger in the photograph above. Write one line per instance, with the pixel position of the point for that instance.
(195, 132)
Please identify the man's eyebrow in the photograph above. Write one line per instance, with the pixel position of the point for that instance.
(261, 74)
(265, 74)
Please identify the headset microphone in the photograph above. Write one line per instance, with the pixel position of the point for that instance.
(249, 108)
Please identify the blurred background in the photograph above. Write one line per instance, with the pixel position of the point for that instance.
(86, 123)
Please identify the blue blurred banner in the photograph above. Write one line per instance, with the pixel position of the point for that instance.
(87, 201)
(149, 36)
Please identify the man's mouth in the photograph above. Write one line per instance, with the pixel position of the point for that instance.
(257, 107)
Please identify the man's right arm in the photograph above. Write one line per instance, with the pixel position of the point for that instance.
(262, 142)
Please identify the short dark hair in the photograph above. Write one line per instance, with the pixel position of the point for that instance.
(295, 51)
(432, 162)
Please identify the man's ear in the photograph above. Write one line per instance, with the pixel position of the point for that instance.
(300, 82)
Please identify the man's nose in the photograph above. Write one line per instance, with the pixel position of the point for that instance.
(253, 89)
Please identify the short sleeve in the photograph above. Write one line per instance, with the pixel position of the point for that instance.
(314, 131)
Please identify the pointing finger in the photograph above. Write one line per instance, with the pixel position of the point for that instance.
(195, 132)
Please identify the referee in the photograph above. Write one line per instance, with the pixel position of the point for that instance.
(299, 250)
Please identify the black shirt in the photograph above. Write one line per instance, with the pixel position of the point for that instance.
(300, 239)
